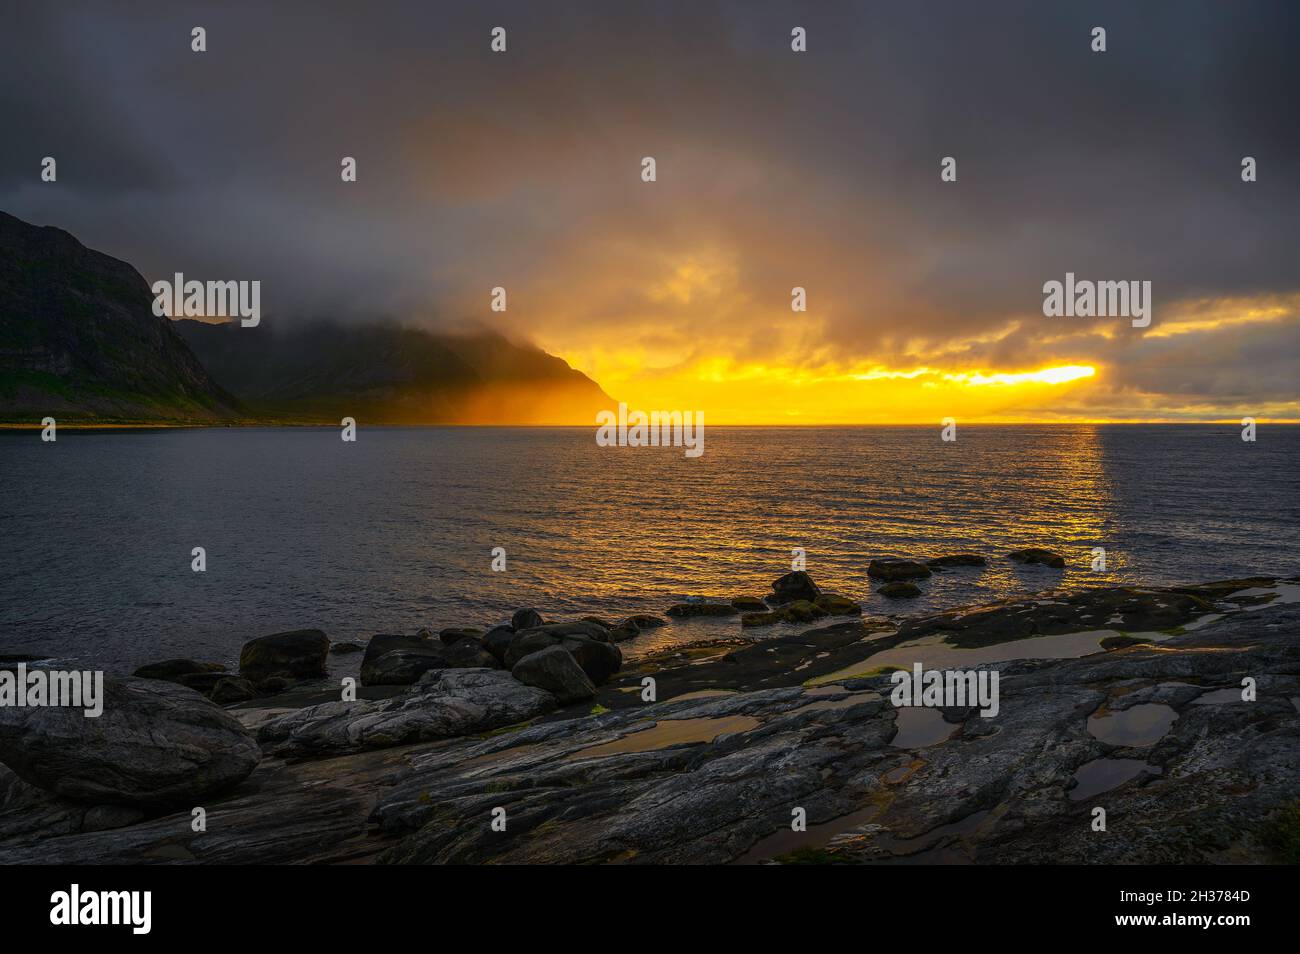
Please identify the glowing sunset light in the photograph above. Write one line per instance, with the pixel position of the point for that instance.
(1061, 375)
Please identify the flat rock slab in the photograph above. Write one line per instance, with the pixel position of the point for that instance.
(443, 704)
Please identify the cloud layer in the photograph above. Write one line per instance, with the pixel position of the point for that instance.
(774, 170)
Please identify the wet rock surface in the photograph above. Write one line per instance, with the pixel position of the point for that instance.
(443, 704)
(713, 777)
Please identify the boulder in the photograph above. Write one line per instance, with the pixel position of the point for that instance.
(171, 670)
(644, 621)
(497, 640)
(1036, 555)
(622, 633)
(796, 585)
(470, 654)
(702, 609)
(155, 745)
(230, 689)
(201, 682)
(456, 633)
(799, 611)
(402, 667)
(443, 704)
(899, 590)
(836, 605)
(526, 619)
(897, 570)
(299, 654)
(599, 659)
(273, 685)
(956, 559)
(749, 604)
(556, 671)
(388, 642)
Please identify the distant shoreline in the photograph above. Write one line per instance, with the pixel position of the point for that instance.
(223, 425)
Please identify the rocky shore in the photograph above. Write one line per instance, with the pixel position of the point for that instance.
(1176, 710)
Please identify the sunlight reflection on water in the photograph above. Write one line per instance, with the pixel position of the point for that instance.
(394, 532)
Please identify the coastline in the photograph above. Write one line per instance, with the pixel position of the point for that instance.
(744, 730)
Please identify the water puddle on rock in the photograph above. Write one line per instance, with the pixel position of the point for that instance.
(668, 732)
(1137, 726)
(1281, 593)
(934, 652)
(925, 849)
(786, 841)
(919, 727)
(1101, 775)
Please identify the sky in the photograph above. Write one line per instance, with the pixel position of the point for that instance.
(774, 169)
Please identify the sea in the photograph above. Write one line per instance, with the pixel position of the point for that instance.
(407, 528)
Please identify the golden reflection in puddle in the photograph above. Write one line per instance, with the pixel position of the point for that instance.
(669, 732)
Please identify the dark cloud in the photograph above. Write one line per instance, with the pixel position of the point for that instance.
(774, 169)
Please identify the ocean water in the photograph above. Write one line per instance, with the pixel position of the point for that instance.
(395, 531)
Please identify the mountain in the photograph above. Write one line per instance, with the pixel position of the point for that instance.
(79, 339)
(384, 373)
(79, 342)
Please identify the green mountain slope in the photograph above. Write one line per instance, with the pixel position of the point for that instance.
(79, 340)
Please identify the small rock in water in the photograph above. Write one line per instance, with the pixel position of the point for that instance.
(957, 559)
(644, 621)
(622, 633)
(171, 670)
(796, 585)
(702, 609)
(557, 672)
(1038, 556)
(526, 619)
(897, 570)
(231, 689)
(749, 604)
(800, 611)
(837, 605)
(299, 654)
(340, 649)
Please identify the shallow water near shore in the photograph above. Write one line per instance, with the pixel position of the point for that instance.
(396, 531)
